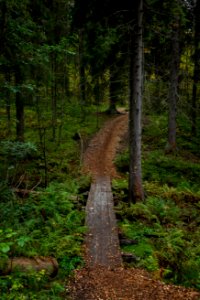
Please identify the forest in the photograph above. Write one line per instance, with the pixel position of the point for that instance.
(67, 68)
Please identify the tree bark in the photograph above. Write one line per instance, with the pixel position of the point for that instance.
(136, 192)
(196, 67)
(19, 102)
(113, 90)
(8, 102)
(82, 69)
(54, 96)
(173, 88)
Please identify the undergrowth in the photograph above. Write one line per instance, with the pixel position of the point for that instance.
(42, 196)
(44, 224)
(165, 227)
(166, 238)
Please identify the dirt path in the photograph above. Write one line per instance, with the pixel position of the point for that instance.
(102, 241)
(104, 278)
(98, 159)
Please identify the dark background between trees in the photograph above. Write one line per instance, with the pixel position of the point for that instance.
(44, 45)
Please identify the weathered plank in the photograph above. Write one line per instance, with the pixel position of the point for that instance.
(102, 239)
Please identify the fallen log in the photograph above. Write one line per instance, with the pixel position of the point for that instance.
(129, 257)
(26, 191)
(24, 264)
(126, 242)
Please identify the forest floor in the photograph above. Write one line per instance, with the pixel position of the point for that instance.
(110, 280)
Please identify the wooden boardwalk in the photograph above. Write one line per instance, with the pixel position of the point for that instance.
(102, 239)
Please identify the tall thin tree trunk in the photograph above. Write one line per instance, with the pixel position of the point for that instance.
(19, 102)
(82, 69)
(96, 90)
(136, 192)
(54, 96)
(196, 67)
(173, 88)
(66, 91)
(113, 90)
(8, 103)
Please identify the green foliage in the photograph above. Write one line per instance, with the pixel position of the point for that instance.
(45, 224)
(169, 169)
(166, 226)
(6, 241)
(164, 168)
(17, 150)
(69, 264)
(53, 211)
(121, 161)
(143, 249)
(5, 191)
(30, 286)
(167, 238)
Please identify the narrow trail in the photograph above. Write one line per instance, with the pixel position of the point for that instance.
(99, 156)
(102, 242)
(103, 277)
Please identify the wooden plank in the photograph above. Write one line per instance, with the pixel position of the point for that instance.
(102, 239)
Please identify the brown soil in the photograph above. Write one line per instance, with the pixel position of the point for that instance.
(125, 284)
(98, 159)
(102, 278)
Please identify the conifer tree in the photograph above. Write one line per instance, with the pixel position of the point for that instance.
(136, 192)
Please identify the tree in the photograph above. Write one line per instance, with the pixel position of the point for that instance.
(16, 37)
(167, 41)
(173, 84)
(19, 103)
(196, 74)
(136, 192)
(82, 68)
(105, 42)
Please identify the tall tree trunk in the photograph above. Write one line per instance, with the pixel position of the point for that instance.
(19, 102)
(82, 69)
(196, 74)
(96, 90)
(54, 97)
(136, 192)
(113, 90)
(7, 95)
(173, 88)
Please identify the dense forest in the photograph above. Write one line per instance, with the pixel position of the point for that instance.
(67, 67)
